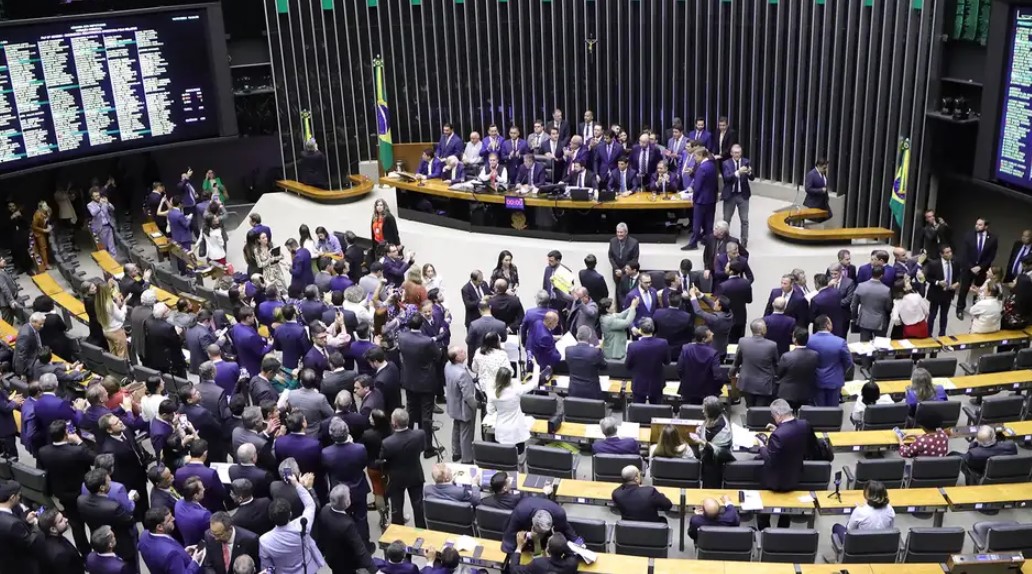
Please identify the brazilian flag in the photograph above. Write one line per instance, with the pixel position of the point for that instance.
(898, 199)
(383, 117)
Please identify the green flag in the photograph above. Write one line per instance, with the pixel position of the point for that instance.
(383, 117)
(898, 199)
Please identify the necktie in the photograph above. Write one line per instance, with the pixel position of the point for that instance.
(1017, 261)
(623, 181)
(646, 300)
(621, 243)
(737, 188)
(580, 180)
(643, 161)
(175, 493)
(480, 294)
(947, 267)
(698, 135)
(981, 240)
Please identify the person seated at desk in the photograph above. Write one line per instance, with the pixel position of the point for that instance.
(613, 444)
(502, 497)
(472, 155)
(531, 524)
(935, 441)
(670, 445)
(713, 513)
(396, 562)
(429, 166)
(664, 181)
(312, 167)
(623, 179)
(984, 447)
(453, 172)
(874, 514)
(579, 176)
(870, 394)
(493, 173)
(637, 502)
(529, 176)
(559, 559)
(921, 389)
(441, 561)
(444, 487)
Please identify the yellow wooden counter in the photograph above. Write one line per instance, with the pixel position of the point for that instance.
(792, 502)
(903, 500)
(576, 432)
(780, 223)
(362, 185)
(969, 340)
(992, 496)
(598, 492)
(107, 262)
(491, 556)
(74, 306)
(683, 566)
(1022, 430)
(612, 564)
(858, 441)
(960, 385)
(156, 237)
(46, 284)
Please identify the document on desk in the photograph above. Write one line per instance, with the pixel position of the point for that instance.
(561, 381)
(906, 344)
(852, 388)
(566, 340)
(586, 555)
(883, 343)
(946, 383)
(463, 474)
(752, 500)
(741, 437)
(222, 468)
(865, 349)
(464, 543)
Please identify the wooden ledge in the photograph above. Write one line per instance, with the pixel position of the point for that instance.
(362, 186)
(780, 224)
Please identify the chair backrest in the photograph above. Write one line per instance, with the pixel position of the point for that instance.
(5, 469)
(449, 516)
(116, 365)
(939, 366)
(792, 545)
(33, 482)
(182, 284)
(594, 532)
(934, 471)
(173, 383)
(949, 411)
(890, 369)
(208, 294)
(932, 545)
(617, 370)
(883, 417)
(1007, 468)
(757, 418)
(822, 419)
(816, 475)
(607, 467)
(1010, 538)
(691, 412)
(743, 474)
(551, 461)
(642, 538)
(223, 302)
(996, 362)
(643, 414)
(585, 411)
(676, 472)
(141, 373)
(539, 406)
(1001, 409)
(495, 456)
(888, 471)
(724, 543)
(93, 357)
(878, 546)
(1023, 360)
(491, 522)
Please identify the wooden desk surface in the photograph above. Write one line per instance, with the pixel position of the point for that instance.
(904, 569)
(474, 470)
(492, 549)
(903, 500)
(977, 496)
(591, 490)
(997, 338)
(46, 284)
(107, 262)
(1021, 428)
(579, 431)
(73, 305)
(792, 500)
(641, 200)
(780, 222)
(616, 564)
(960, 383)
(156, 236)
(164, 296)
(682, 565)
(872, 438)
(755, 568)
(836, 568)
(362, 186)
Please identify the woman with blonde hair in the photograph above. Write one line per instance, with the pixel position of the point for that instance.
(670, 445)
(111, 313)
(922, 389)
(511, 426)
(414, 293)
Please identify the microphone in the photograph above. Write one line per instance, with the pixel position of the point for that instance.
(304, 526)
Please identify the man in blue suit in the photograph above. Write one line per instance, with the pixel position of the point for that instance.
(665, 180)
(828, 302)
(816, 186)
(250, 346)
(698, 367)
(103, 559)
(214, 492)
(49, 408)
(834, 361)
(301, 274)
(429, 166)
(737, 173)
(207, 423)
(702, 135)
(191, 516)
(291, 338)
(265, 311)
(529, 175)
(613, 444)
(198, 336)
(161, 553)
(646, 359)
(304, 449)
(537, 517)
(606, 153)
(780, 326)
(674, 324)
(179, 223)
(676, 145)
(449, 144)
(345, 462)
(226, 372)
(879, 258)
(704, 196)
(786, 448)
(316, 357)
(645, 157)
(541, 343)
(624, 179)
(585, 362)
(648, 298)
(512, 150)
(795, 302)
(577, 152)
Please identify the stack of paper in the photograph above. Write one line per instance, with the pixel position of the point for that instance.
(463, 474)
(753, 501)
(945, 382)
(586, 555)
(222, 468)
(561, 381)
(741, 437)
(465, 543)
(906, 344)
(883, 343)
(566, 340)
(865, 349)
(852, 388)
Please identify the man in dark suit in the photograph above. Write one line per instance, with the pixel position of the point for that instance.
(21, 542)
(624, 179)
(61, 555)
(724, 139)
(558, 560)
(66, 461)
(164, 347)
(251, 513)
(251, 348)
(613, 444)
(879, 259)
(622, 250)
(738, 291)
(387, 378)
(403, 468)
(797, 372)
(27, 345)
(1022, 248)
(246, 467)
(674, 325)
(473, 292)
(560, 124)
(647, 297)
(207, 425)
(505, 306)
(585, 362)
(337, 378)
(637, 502)
(592, 280)
(371, 397)
(942, 276)
(291, 338)
(579, 176)
(163, 493)
(698, 368)
(606, 153)
(539, 518)
(214, 492)
(130, 459)
(502, 496)
(529, 175)
(224, 543)
(780, 326)
(816, 186)
(97, 510)
(985, 446)
(795, 303)
(302, 447)
(828, 302)
(419, 355)
(345, 463)
(786, 448)
(713, 513)
(339, 539)
(644, 158)
(198, 337)
(737, 173)
(486, 323)
(646, 359)
(704, 196)
(980, 247)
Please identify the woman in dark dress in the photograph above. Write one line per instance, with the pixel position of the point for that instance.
(716, 448)
(505, 269)
(372, 439)
(54, 333)
(88, 293)
(18, 227)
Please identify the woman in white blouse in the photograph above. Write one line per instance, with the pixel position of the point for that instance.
(111, 312)
(488, 359)
(987, 313)
(911, 311)
(874, 514)
(430, 278)
(511, 425)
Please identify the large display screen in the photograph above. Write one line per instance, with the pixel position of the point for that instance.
(1014, 157)
(85, 85)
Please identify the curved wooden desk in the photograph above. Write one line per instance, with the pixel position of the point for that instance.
(362, 186)
(780, 224)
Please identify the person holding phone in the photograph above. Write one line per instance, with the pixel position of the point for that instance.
(163, 554)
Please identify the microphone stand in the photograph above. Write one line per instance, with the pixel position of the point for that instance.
(838, 493)
(304, 558)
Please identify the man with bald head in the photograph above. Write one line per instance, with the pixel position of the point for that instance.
(584, 313)
(637, 502)
(985, 446)
(713, 513)
(505, 306)
(737, 173)
(541, 342)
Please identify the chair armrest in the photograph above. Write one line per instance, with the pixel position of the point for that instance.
(850, 477)
(969, 368)
(972, 413)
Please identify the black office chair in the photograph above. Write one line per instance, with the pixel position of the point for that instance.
(889, 472)
(691, 413)
(92, 357)
(931, 545)
(939, 366)
(539, 406)
(757, 418)
(1023, 360)
(948, 412)
(933, 472)
(182, 284)
(584, 411)
(743, 475)
(495, 456)
(607, 467)
(891, 369)
(885, 417)
(991, 363)
(734, 543)
(791, 545)
(867, 546)
(1004, 469)
(206, 293)
(1002, 537)
(174, 384)
(116, 366)
(676, 472)
(816, 475)
(649, 539)
(33, 482)
(617, 370)
(822, 419)
(141, 373)
(5, 469)
(643, 414)
(551, 461)
(449, 516)
(594, 532)
(996, 410)
(491, 522)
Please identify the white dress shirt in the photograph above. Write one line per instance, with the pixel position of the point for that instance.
(909, 310)
(471, 155)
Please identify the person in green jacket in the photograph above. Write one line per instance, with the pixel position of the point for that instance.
(614, 328)
(213, 184)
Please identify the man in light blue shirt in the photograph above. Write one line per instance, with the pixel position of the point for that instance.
(290, 541)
